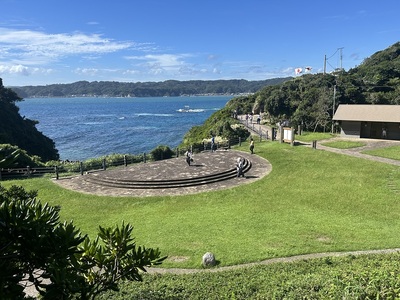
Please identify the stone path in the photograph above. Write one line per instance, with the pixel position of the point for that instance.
(205, 163)
(272, 261)
(370, 145)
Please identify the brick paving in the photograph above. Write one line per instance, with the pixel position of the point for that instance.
(205, 163)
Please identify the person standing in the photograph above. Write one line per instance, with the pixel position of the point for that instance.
(384, 133)
(239, 167)
(252, 146)
(189, 158)
(212, 143)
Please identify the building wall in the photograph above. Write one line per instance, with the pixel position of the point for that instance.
(350, 129)
(370, 130)
(393, 131)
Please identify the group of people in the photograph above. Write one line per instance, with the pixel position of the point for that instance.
(249, 118)
(239, 162)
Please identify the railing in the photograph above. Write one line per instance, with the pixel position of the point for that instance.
(67, 167)
(262, 131)
(28, 172)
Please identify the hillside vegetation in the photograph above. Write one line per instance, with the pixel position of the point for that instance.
(310, 100)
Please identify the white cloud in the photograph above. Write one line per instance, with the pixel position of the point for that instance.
(39, 47)
(167, 61)
(22, 70)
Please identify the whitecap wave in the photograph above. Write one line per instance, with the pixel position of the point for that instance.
(191, 110)
(153, 115)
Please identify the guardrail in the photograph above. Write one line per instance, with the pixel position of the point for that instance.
(86, 167)
(28, 172)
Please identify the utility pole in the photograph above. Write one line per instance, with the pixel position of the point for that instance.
(333, 107)
(341, 59)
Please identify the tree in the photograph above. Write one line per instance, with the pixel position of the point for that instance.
(20, 131)
(56, 258)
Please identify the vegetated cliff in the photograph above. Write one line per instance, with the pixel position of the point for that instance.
(19, 131)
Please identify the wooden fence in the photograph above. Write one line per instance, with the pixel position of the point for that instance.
(86, 167)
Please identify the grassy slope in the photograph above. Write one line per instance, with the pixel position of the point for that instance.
(313, 201)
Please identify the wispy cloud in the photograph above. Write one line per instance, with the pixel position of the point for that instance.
(27, 52)
(28, 43)
(162, 60)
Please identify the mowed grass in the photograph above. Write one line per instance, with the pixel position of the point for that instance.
(344, 144)
(388, 152)
(312, 201)
(314, 136)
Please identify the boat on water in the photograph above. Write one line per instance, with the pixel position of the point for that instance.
(188, 109)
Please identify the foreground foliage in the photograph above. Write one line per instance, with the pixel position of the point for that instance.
(56, 258)
(351, 277)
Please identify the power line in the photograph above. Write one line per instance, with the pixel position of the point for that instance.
(340, 58)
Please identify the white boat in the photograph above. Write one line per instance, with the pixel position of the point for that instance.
(186, 109)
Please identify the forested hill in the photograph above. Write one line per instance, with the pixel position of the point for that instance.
(311, 99)
(146, 89)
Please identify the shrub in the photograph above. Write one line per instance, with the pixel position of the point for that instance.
(32, 238)
(161, 152)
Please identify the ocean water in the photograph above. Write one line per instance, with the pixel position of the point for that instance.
(84, 128)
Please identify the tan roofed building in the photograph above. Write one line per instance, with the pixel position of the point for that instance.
(369, 121)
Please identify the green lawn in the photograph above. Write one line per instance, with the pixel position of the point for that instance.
(344, 144)
(312, 201)
(388, 152)
(314, 136)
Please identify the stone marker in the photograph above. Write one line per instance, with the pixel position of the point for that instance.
(209, 260)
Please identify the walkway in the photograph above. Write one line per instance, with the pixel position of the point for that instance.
(205, 164)
(370, 145)
(271, 261)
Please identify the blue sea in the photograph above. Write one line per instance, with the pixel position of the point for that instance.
(84, 128)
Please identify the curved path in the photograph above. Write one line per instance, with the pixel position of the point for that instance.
(271, 261)
(370, 144)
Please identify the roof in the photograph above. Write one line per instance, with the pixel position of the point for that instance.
(368, 112)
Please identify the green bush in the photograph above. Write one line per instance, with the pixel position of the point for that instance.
(22, 159)
(161, 152)
(32, 238)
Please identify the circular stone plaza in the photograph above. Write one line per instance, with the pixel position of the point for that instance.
(209, 171)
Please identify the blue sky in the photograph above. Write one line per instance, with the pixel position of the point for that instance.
(45, 42)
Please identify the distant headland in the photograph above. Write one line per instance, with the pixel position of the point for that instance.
(169, 88)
